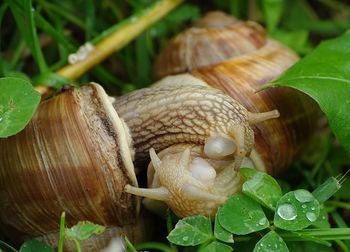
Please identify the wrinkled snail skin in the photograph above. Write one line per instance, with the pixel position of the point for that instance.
(166, 117)
(236, 57)
(73, 156)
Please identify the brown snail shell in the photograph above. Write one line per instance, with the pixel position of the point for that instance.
(73, 156)
(236, 57)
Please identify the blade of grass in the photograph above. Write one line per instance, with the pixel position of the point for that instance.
(89, 18)
(338, 204)
(66, 14)
(37, 53)
(54, 33)
(17, 54)
(340, 223)
(119, 38)
(3, 9)
(24, 15)
(4, 244)
(342, 245)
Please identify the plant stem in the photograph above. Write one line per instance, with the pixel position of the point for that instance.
(129, 246)
(326, 234)
(118, 39)
(153, 246)
(77, 244)
(61, 238)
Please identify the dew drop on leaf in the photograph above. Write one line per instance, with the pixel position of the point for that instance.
(311, 216)
(262, 221)
(287, 212)
(303, 196)
(303, 206)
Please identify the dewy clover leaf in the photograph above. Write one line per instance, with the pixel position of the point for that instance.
(18, 102)
(242, 215)
(220, 233)
(261, 187)
(216, 246)
(191, 231)
(271, 242)
(296, 210)
(83, 230)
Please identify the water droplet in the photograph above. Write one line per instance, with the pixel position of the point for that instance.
(262, 221)
(312, 208)
(287, 212)
(311, 216)
(303, 206)
(303, 196)
(185, 238)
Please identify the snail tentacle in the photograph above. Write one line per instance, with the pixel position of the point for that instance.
(254, 118)
(159, 193)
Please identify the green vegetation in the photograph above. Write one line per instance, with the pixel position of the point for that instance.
(306, 210)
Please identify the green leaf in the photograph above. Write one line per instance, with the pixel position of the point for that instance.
(83, 230)
(324, 75)
(271, 242)
(220, 233)
(18, 102)
(191, 231)
(262, 188)
(322, 220)
(296, 210)
(35, 246)
(273, 10)
(216, 246)
(241, 215)
(247, 173)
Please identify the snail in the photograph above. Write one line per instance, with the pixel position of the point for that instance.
(74, 156)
